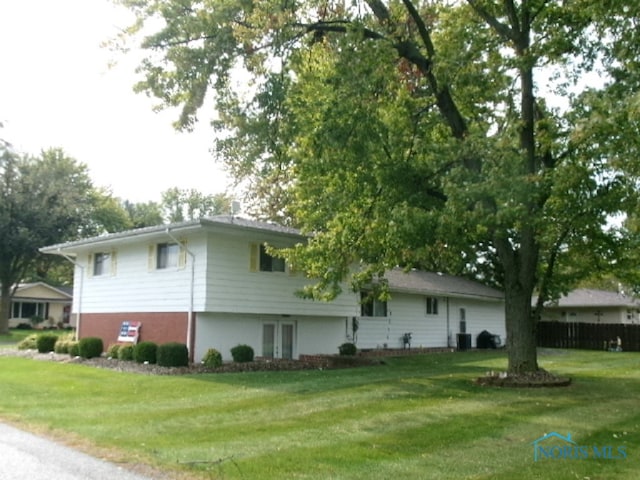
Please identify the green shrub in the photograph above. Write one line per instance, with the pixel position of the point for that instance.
(125, 352)
(28, 343)
(145, 352)
(46, 342)
(173, 354)
(74, 349)
(37, 320)
(347, 349)
(212, 358)
(242, 353)
(112, 351)
(90, 347)
(64, 342)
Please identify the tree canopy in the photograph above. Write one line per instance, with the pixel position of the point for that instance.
(45, 200)
(495, 139)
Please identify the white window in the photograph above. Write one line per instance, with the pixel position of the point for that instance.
(28, 310)
(167, 255)
(101, 264)
(269, 263)
(372, 307)
(432, 306)
(261, 261)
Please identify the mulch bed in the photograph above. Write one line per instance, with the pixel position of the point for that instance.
(541, 378)
(315, 363)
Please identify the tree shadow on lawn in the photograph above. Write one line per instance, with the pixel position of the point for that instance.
(415, 372)
(441, 374)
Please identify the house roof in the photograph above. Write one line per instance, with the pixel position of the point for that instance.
(420, 282)
(585, 297)
(23, 288)
(220, 221)
(413, 281)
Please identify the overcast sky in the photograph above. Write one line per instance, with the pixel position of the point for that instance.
(58, 90)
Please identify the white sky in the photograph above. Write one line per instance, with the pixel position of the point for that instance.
(57, 90)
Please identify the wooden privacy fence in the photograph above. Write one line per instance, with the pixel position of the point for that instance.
(588, 336)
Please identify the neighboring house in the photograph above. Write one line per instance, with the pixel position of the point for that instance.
(210, 283)
(51, 304)
(593, 306)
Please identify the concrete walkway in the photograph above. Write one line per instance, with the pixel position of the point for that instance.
(24, 456)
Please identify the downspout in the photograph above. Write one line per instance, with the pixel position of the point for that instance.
(80, 288)
(191, 292)
(448, 326)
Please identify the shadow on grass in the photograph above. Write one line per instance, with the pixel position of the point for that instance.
(457, 369)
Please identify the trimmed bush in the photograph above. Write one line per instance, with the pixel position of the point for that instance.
(112, 351)
(347, 349)
(242, 353)
(90, 347)
(74, 349)
(212, 359)
(173, 354)
(125, 352)
(46, 342)
(145, 352)
(28, 343)
(24, 326)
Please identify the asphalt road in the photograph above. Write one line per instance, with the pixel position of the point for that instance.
(24, 456)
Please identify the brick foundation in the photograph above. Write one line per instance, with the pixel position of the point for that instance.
(156, 327)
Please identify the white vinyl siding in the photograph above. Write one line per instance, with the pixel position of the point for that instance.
(223, 331)
(406, 314)
(137, 288)
(236, 284)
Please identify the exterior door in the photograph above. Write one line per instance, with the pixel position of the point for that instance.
(278, 339)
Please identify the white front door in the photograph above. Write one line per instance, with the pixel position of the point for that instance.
(278, 339)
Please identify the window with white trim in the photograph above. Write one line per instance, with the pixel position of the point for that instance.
(101, 264)
(269, 263)
(262, 261)
(167, 255)
(432, 306)
(28, 309)
(371, 306)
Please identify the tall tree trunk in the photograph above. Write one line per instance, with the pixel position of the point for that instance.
(5, 308)
(521, 330)
(520, 265)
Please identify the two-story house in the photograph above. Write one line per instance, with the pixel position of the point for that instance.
(210, 283)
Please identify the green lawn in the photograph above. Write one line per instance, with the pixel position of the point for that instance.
(17, 335)
(14, 337)
(416, 418)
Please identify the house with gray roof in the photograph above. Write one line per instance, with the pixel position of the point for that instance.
(211, 283)
(593, 306)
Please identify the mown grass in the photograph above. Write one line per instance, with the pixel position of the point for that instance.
(415, 417)
(16, 335)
